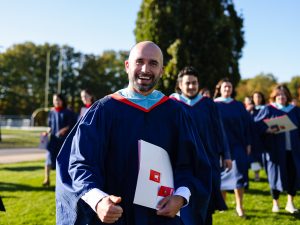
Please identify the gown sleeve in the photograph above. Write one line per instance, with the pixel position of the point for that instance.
(200, 179)
(80, 165)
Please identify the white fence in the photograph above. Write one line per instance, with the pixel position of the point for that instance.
(15, 121)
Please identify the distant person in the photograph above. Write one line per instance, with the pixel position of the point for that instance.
(60, 122)
(294, 102)
(282, 149)
(237, 127)
(2, 208)
(249, 104)
(98, 165)
(205, 92)
(206, 117)
(257, 155)
(87, 99)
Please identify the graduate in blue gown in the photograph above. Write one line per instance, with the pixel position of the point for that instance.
(98, 165)
(257, 103)
(87, 99)
(282, 149)
(236, 121)
(209, 125)
(60, 122)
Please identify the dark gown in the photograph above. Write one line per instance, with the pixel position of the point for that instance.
(210, 127)
(56, 121)
(236, 121)
(257, 148)
(102, 152)
(274, 144)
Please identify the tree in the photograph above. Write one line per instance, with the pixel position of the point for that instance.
(205, 34)
(102, 74)
(23, 68)
(261, 82)
(294, 87)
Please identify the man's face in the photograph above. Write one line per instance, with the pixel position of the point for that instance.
(144, 67)
(189, 86)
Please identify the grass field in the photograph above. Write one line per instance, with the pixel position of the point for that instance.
(27, 202)
(19, 138)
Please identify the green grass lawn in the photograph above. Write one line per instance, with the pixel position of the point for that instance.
(18, 138)
(258, 206)
(27, 202)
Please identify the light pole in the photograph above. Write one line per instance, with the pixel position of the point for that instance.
(59, 71)
(47, 79)
(0, 115)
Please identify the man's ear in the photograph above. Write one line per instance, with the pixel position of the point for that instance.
(126, 63)
(162, 72)
(180, 84)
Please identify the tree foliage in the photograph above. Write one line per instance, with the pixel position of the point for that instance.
(262, 82)
(294, 87)
(23, 69)
(205, 34)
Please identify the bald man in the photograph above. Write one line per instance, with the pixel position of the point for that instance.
(98, 165)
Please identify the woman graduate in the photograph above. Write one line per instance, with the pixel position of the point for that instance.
(60, 122)
(87, 99)
(209, 125)
(282, 149)
(236, 121)
(257, 153)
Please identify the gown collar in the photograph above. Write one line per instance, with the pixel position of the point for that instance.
(259, 107)
(186, 100)
(145, 102)
(283, 108)
(222, 99)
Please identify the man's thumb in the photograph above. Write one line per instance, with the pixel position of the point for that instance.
(115, 199)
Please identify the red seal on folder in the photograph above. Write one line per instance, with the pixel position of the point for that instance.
(154, 176)
(165, 191)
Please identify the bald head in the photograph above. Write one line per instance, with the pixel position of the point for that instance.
(144, 47)
(144, 67)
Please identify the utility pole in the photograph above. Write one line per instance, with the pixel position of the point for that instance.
(47, 79)
(59, 71)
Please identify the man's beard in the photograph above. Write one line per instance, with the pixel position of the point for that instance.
(145, 87)
(194, 96)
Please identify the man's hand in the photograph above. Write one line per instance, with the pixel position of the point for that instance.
(169, 206)
(107, 209)
(272, 130)
(248, 149)
(227, 164)
(63, 131)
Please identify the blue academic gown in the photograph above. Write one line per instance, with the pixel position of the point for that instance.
(275, 145)
(56, 121)
(257, 149)
(206, 116)
(236, 121)
(102, 152)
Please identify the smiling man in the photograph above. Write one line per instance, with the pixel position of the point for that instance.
(99, 163)
(209, 125)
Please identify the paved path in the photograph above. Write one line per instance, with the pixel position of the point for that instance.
(21, 155)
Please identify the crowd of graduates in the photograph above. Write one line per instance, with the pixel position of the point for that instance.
(231, 137)
(251, 143)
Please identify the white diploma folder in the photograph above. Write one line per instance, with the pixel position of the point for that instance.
(155, 178)
(282, 123)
